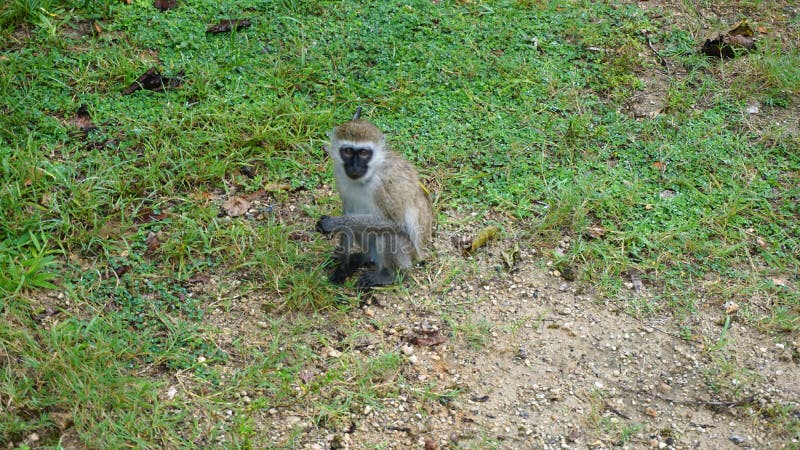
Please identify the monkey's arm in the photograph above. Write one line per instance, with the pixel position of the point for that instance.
(357, 224)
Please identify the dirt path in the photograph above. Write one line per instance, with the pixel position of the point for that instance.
(537, 364)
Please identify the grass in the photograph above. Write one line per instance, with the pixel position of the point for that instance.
(511, 109)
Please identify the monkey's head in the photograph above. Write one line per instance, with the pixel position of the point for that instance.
(358, 146)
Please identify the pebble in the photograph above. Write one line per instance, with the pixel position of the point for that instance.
(736, 439)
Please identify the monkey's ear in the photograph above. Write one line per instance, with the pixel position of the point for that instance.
(357, 115)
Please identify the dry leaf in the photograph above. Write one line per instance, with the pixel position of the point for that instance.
(275, 187)
(257, 195)
(236, 206)
(153, 242)
(725, 45)
(299, 236)
(484, 236)
(667, 193)
(227, 25)
(429, 340)
(636, 281)
(163, 5)
(153, 81)
(730, 307)
(202, 196)
(200, 278)
(596, 232)
(659, 165)
(83, 120)
(779, 281)
(63, 420)
(510, 257)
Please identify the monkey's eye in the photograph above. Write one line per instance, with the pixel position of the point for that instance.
(365, 153)
(347, 152)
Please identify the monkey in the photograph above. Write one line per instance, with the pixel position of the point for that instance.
(387, 211)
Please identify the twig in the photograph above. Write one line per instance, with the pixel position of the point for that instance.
(661, 59)
(710, 404)
(610, 408)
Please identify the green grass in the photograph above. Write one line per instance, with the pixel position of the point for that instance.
(516, 109)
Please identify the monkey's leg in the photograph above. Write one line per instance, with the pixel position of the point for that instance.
(346, 266)
(381, 277)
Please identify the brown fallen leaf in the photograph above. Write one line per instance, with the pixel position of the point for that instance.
(83, 120)
(301, 236)
(429, 340)
(596, 232)
(779, 281)
(203, 196)
(236, 206)
(227, 25)
(63, 420)
(275, 187)
(163, 5)
(200, 278)
(636, 281)
(726, 45)
(573, 436)
(153, 242)
(510, 257)
(153, 81)
(482, 238)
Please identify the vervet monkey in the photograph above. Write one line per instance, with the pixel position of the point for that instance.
(387, 212)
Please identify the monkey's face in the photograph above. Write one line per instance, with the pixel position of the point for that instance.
(355, 160)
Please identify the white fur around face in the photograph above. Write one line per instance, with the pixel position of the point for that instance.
(378, 156)
(357, 195)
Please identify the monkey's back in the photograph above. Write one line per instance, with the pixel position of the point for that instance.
(401, 196)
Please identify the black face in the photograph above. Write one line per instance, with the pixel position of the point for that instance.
(355, 160)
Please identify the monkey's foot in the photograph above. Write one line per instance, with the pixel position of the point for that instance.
(347, 266)
(374, 278)
(339, 275)
(324, 224)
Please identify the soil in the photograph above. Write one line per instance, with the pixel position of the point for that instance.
(554, 367)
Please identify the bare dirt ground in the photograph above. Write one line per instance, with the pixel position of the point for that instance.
(553, 368)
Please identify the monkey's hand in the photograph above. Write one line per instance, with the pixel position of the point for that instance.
(326, 224)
